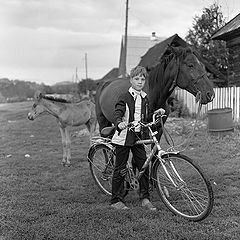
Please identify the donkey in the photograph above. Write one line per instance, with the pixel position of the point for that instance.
(67, 114)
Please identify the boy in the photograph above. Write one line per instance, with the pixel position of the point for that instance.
(131, 106)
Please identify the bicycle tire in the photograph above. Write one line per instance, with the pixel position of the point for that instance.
(101, 163)
(192, 196)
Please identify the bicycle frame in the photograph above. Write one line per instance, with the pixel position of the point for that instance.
(156, 149)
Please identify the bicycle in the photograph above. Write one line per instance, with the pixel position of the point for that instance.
(180, 182)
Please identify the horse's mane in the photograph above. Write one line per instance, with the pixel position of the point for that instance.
(156, 76)
(156, 73)
(51, 98)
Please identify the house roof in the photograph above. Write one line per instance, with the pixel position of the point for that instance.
(154, 54)
(229, 30)
(113, 73)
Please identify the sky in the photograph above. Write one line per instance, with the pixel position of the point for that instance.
(44, 41)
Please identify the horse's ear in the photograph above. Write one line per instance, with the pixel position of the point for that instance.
(38, 95)
(174, 50)
(148, 68)
(170, 48)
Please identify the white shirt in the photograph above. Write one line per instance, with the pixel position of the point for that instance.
(138, 105)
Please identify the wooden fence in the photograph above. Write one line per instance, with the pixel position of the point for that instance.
(224, 97)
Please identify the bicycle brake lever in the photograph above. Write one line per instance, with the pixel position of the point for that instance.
(130, 125)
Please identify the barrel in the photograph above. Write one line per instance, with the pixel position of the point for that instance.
(220, 121)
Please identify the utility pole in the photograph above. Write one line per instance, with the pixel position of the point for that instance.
(125, 41)
(86, 66)
(86, 69)
(75, 87)
(76, 76)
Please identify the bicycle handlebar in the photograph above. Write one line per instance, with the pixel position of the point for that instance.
(159, 112)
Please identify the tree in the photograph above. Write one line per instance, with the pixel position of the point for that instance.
(204, 26)
(86, 84)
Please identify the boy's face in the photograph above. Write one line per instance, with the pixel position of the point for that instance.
(138, 82)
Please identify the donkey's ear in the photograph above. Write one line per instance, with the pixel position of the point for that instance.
(38, 95)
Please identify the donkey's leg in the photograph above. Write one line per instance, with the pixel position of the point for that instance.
(62, 131)
(68, 147)
(91, 126)
(88, 125)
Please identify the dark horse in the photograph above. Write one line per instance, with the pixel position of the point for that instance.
(178, 67)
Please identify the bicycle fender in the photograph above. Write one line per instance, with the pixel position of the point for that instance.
(162, 156)
(90, 152)
(167, 153)
(93, 147)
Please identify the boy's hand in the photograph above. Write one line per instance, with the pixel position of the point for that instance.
(160, 111)
(122, 125)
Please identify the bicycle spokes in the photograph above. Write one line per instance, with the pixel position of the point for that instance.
(102, 166)
(108, 171)
(183, 187)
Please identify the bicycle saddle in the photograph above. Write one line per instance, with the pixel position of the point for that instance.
(108, 131)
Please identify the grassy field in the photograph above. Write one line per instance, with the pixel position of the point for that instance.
(40, 199)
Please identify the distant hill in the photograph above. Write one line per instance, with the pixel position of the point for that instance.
(18, 90)
(63, 83)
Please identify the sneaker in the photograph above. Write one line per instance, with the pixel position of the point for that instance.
(119, 206)
(148, 205)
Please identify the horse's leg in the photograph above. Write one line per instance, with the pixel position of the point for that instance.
(68, 147)
(62, 131)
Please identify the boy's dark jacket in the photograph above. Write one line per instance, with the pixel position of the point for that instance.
(126, 101)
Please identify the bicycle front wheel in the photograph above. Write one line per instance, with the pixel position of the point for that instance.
(101, 163)
(183, 187)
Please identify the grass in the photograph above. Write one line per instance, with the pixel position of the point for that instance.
(40, 199)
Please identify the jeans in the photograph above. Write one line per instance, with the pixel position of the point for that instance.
(122, 154)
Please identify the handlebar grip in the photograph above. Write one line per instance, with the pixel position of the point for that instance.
(128, 125)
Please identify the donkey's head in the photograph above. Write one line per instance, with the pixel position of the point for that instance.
(37, 107)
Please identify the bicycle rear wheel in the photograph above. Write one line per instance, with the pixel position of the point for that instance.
(183, 187)
(101, 163)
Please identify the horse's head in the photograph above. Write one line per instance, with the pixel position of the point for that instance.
(191, 74)
(37, 108)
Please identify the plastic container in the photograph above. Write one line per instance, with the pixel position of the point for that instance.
(220, 121)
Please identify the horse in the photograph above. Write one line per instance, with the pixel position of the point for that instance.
(179, 66)
(67, 114)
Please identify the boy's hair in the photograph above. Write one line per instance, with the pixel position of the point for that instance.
(138, 70)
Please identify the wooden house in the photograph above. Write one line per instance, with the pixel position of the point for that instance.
(230, 33)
